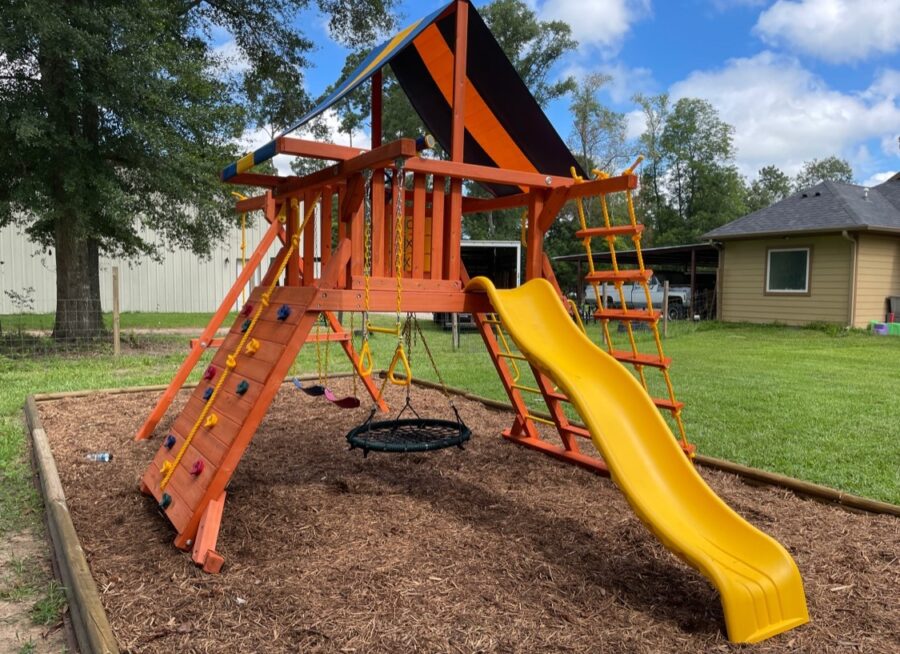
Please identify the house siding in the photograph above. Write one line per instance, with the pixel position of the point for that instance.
(877, 276)
(743, 282)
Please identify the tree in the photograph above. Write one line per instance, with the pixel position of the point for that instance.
(770, 186)
(821, 170)
(693, 139)
(598, 133)
(650, 197)
(118, 116)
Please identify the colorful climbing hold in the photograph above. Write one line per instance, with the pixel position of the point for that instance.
(166, 467)
(165, 502)
(247, 310)
(209, 373)
(208, 393)
(197, 468)
(245, 326)
(283, 312)
(231, 361)
(252, 346)
(170, 441)
(243, 387)
(211, 420)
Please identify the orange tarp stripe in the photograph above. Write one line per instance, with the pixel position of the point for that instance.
(479, 120)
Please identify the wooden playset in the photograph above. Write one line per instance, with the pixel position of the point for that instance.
(397, 249)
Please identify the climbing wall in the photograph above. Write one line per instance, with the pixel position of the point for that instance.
(199, 453)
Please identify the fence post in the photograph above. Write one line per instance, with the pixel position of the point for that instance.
(117, 345)
(665, 308)
(454, 325)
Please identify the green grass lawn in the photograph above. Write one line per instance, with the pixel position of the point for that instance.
(801, 402)
(127, 321)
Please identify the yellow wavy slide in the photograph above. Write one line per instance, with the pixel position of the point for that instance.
(760, 586)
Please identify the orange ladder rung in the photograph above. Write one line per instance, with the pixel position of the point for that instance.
(639, 315)
(611, 276)
(618, 230)
(577, 431)
(668, 404)
(639, 359)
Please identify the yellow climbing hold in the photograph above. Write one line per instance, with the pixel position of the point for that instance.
(211, 420)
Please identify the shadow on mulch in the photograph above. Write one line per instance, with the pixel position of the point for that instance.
(491, 549)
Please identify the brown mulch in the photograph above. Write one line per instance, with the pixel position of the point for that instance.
(491, 549)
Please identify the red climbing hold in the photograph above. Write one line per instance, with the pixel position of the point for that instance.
(209, 374)
(197, 468)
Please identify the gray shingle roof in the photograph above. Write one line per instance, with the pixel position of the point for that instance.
(826, 207)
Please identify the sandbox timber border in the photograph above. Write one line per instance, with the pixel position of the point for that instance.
(798, 486)
(93, 633)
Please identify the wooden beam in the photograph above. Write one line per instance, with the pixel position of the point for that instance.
(555, 202)
(487, 173)
(316, 150)
(478, 205)
(386, 300)
(250, 204)
(380, 157)
(460, 53)
(599, 186)
(256, 179)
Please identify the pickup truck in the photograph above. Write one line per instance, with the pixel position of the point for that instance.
(679, 297)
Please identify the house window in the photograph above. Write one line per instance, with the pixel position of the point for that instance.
(787, 271)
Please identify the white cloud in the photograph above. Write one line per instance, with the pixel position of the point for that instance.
(625, 81)
(834, 30)
(879, 178)
(598, 23)
(784, 115)
(635, 124)
(231, 57)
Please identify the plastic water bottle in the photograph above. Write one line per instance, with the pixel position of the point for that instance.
(102, 457)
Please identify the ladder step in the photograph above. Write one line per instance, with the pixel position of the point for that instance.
(618, 230)
(601, 276)
(577, 431)
(639, 359)
(556, 395)
(640, 315)
(667, 404)
(510, 355)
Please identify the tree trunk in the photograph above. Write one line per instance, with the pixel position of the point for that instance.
(78, 313)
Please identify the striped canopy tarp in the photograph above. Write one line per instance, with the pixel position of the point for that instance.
(504, 125)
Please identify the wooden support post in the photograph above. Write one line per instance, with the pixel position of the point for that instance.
(309, 243)
(418, 227)
(378, 223)
(117, 342)
(437, 227)
(292, 272)
(453, 217)
(377, 81)
(692, 304)
(454, 330)
(204, 553)
(534, 255)
(325, 227)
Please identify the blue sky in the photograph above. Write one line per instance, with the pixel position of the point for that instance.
(796, 78)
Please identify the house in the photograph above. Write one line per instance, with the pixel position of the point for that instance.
(829, 253)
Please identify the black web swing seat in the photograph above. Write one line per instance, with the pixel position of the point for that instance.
(408, 434)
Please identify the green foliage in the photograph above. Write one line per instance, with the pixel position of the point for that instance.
(831, 169)
(48, 609)
(770, 186)
(118, 116)
(598, 133)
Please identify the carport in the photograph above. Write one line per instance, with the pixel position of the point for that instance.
(696, 265)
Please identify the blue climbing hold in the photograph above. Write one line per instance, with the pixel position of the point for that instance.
(165, 502)
(170, 442)
(283, 312)
(243, 387)
(246, 325)
(207, 393)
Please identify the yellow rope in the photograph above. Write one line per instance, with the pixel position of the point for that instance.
(231, 360)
